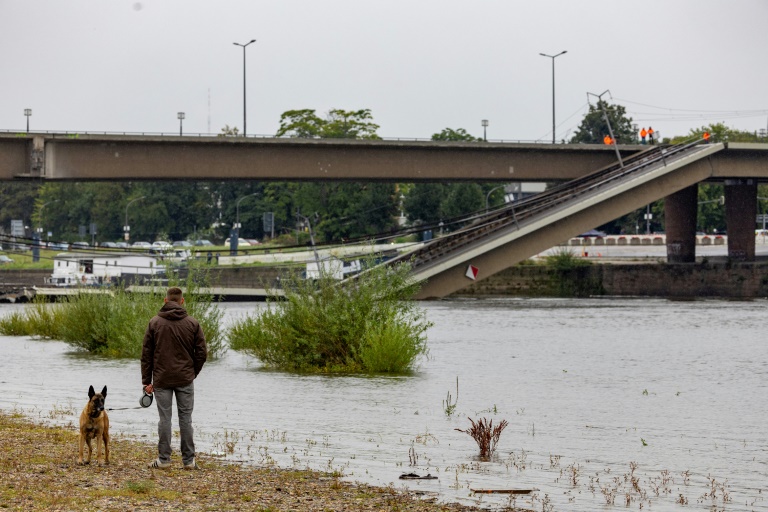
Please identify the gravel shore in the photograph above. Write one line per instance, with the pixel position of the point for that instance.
(39, 471)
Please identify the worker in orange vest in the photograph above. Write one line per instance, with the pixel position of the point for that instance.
(706, 137)
(607, 140)
(643, 134)
(650, 134)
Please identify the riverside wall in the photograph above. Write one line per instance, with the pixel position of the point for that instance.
(685, 280)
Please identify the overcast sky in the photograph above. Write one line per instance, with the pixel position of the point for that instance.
(418, 65)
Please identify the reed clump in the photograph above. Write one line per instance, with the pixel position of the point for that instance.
(485, 435)
(368, 325)
(113, 324)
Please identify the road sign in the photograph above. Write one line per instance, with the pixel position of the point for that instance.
(17, 228)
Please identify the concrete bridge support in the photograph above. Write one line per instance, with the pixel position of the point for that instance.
(680, 212)
(740, 215)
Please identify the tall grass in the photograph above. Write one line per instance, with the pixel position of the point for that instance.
(113, 324)
(369, 325)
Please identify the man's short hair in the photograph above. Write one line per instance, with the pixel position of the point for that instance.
(174, 294)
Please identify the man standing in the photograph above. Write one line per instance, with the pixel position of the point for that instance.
(173, 354)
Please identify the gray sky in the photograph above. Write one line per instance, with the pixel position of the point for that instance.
(419, 65)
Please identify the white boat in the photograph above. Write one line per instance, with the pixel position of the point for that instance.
(94, 269)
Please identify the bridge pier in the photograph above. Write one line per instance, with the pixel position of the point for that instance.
(740, 215)
(680, 212)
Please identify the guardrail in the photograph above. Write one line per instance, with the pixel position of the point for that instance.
(175, 135)
(512, 215)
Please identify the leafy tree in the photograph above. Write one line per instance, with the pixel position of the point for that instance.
(719, 132)
(462, 199)
(22, 205)
(449, 134)
(422, 203)
(593, 127)
(428, 203)
(338, 124)
(229, 131)
(346, 210)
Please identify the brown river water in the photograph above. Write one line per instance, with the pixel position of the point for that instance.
(612, 404)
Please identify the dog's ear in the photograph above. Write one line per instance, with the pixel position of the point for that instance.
(91, 392)
(104, 392)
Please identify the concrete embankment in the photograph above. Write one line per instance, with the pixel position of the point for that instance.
(732, 280)
(652, 279)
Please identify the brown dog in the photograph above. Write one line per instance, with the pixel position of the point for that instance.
(94, 423)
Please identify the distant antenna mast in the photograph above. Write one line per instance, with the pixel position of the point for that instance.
(209, 110)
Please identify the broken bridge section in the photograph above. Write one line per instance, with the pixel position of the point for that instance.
(527, 227)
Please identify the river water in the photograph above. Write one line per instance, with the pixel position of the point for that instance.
(646, 402)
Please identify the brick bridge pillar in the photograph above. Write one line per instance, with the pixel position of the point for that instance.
(740, 215)
(680, 211)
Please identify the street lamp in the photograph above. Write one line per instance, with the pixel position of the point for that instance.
(126, 227)
(484, 122)
(234, 238)
(244, 46)
(237, 210)
(601, 104)
(488, 196)
(181, 116)
(27, 112)
(553, 88)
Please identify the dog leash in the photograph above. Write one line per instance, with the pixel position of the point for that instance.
(144, 402)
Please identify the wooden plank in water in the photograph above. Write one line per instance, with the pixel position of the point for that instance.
(503, 491)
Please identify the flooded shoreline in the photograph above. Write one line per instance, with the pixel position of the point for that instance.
(590, 388)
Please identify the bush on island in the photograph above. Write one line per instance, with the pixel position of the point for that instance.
(367, 324)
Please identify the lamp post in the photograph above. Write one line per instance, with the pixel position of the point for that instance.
(126, 227)
(553, 57)
(244, 46)
(488, 196)
(234, 238)
(601, 104)
(484, 122)
(27, 112)
(181, 117)
(308, 222)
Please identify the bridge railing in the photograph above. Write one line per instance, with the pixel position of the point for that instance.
(523, 211)
(69, 134)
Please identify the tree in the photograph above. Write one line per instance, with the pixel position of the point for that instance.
(346, 210)
(593, 127)
(338, 124)
(455, 135)
(429, 203)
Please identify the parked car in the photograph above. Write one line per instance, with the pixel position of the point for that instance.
(141, 245)
(182, 243)
(240, 242)
(80, 245)
(123, 245)
(252, 241)
(5, 259)
(109, 245)
(203, 242)
(58, 246)
(161, 244)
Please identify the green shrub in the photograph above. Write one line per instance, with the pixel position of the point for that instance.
(564, 259)
(114, 324)
(364, 325)
(15, 324)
